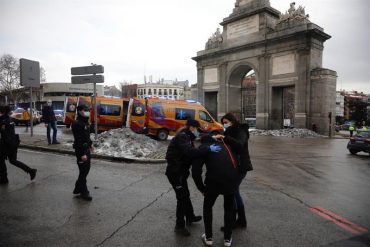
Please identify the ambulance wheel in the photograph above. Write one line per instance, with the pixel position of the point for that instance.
(162, 135)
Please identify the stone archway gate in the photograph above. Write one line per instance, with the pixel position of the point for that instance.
(284, 50)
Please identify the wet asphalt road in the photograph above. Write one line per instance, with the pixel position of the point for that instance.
(134, 205)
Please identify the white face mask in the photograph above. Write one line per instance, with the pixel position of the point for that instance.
(49, 103)
(227, 125)
(196, 133)
(86, 114)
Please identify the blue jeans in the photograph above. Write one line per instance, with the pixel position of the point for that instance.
(52, 124)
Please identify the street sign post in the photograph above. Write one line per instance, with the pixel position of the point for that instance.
(30, 77)
(87, 79)
(88, 74)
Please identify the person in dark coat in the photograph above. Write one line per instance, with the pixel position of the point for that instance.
(9, 143)
(50, 120)
(237, 135)
(83, 146)
(222, 178)
(180, 153)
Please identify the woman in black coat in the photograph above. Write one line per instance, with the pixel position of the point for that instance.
(236, 135)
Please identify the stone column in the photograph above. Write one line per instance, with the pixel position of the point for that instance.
(200, 83)
(301, 90)
(263, 98)
(222, 92)
(323, 97)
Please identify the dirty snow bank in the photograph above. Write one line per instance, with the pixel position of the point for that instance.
(294, 133)
(124, 143)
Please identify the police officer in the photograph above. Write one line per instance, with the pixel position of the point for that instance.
(9, 143)
(179, 155)
(83, 146)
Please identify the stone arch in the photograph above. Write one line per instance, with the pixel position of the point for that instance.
(236, 103)
(285, 51)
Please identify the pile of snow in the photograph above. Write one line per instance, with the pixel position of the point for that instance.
(124, 143)
(301, 133)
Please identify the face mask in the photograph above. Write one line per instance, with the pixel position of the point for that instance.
(227, 125)
(86, 114)
(196, 133)
(49, 103)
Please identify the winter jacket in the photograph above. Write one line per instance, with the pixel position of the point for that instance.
(81, 133)
(222, 175)
(180, 153)
(48, 114)
(237, 137)
(9, 141)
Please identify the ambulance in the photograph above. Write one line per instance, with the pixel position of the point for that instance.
(162, 117)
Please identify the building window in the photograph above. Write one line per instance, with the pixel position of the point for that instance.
(150, 91)
(155, 91)
(165, 92)
(175, 92)
(160, 92)
(170, 91)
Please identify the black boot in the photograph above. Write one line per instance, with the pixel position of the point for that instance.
(193, 219)
(182, 230)
(241, 221)
(4, 180)
(32, 173)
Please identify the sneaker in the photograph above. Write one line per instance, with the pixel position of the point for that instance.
(206, 241)
(32, 173)
(86, 196)
(227, 242)
(182, 230)
(193, 219)
(56, 142)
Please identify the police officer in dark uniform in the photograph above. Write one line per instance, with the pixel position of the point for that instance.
(83, 146)
(9, 143)
(179, 155)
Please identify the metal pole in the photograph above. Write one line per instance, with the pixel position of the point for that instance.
(31, 117)
(95, 113)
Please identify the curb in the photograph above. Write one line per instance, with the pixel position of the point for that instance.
(95, 156)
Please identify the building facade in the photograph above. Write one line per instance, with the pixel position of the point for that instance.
(165, 91)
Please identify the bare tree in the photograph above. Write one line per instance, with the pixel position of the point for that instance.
(9, 77)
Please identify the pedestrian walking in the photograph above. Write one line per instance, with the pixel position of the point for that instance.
(83, 147)
(9, 143)
(222, 178)
(50, 122)
(237, 135)
(179, 156)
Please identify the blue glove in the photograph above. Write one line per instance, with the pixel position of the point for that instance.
(214, 148)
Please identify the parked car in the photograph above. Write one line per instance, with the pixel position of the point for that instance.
(59, 115)
(18, 116)
(359, 142)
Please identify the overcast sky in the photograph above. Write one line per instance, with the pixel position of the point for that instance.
(158, 38)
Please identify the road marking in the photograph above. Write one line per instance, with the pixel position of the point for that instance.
(341, 222)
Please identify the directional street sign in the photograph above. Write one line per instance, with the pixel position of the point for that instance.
(86, 70)
(87, 79)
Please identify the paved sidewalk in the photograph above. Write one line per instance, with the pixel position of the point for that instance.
(38, 142)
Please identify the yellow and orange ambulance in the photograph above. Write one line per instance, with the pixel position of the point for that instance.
(161, 117)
